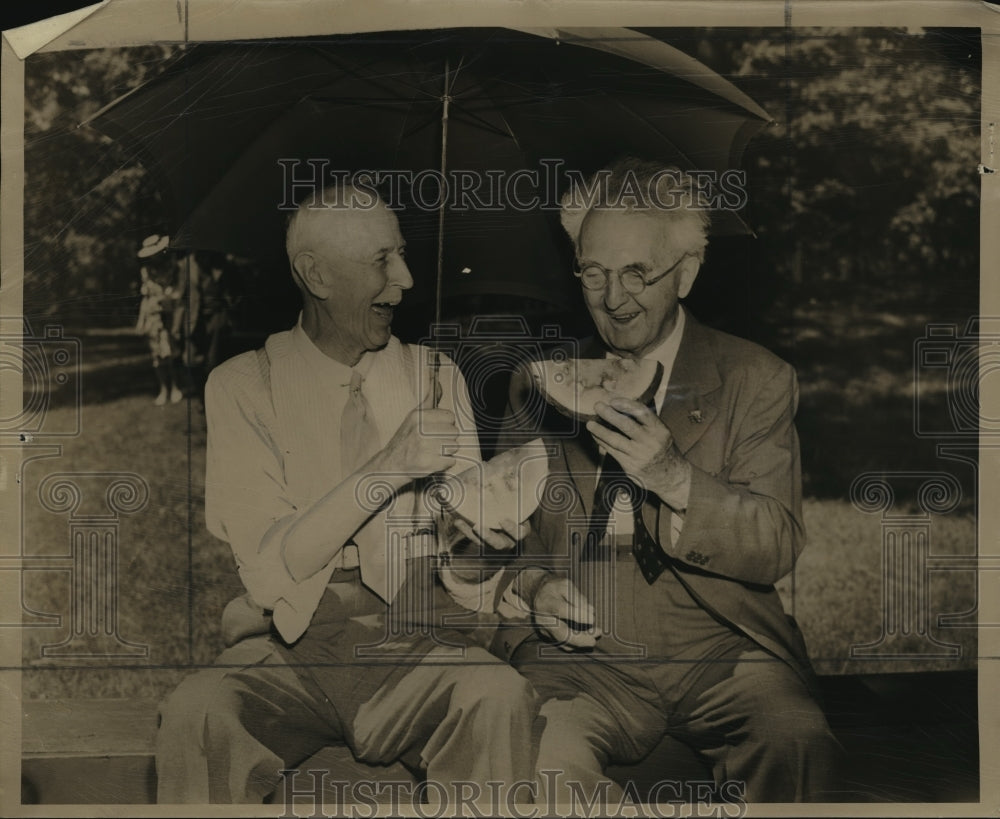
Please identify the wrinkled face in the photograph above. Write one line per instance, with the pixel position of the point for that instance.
(634, 324)
(359, 255)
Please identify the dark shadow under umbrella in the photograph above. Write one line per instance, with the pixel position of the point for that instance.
(235, 133)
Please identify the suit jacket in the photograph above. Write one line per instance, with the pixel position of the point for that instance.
(730, 406)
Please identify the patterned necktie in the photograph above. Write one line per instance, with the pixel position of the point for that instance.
(648, 554)
(359, 438)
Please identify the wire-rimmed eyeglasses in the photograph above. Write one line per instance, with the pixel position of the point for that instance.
(595, 277)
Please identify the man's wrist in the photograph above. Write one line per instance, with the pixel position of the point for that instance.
(379, 465)
(528, 582)
(675, 491)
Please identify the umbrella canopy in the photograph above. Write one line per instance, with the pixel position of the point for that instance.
(235, 133)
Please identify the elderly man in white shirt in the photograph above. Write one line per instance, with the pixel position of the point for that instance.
(357, 653)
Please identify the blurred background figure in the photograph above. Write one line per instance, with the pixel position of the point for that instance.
(161, 313)
(206, 317)
(216, 301)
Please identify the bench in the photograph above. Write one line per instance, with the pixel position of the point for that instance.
(910, 738)
(100, 751)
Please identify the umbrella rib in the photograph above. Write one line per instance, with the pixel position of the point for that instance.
(645, 121)
(450, 78)
(167, 72)
(357, 73)
(672, 144)
(474, 119)
(433, 118)
(401, 134)
(191, 99)
(510, 131)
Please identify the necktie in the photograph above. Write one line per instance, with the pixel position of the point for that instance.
(359, 438)
(612, 481)
(647, 552)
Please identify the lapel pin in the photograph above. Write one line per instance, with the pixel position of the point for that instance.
(695, 416)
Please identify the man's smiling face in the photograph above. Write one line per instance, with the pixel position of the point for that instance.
(360, 255)
(634, 324)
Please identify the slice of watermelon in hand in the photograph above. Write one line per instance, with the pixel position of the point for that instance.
(575, 385)
(499, 495)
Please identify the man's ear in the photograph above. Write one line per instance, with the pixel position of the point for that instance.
(309, 274)
(689, 272)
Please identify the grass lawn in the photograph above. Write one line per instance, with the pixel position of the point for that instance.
(174, 578)
(835, 592)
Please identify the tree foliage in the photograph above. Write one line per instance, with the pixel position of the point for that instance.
(87, 203)
(866, 181)
(871, 170)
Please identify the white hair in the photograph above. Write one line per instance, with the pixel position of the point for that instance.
(639, 186)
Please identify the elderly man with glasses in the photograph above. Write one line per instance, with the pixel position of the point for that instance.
(654, 605)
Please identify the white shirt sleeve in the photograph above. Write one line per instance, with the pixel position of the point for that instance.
(247, 502)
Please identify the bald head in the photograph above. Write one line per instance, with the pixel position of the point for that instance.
(327, 216)
(347, 259)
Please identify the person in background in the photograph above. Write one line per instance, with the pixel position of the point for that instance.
(217, 301)
(206, 320)
(161, 313)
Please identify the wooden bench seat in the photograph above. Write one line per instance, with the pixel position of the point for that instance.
(909, 738)
(101, 752)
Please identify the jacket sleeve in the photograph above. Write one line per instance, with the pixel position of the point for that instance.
(745, 522)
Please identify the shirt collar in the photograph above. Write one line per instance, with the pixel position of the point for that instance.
(320, 363)
(666, 351)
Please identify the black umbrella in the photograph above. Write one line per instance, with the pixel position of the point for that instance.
(230, 128)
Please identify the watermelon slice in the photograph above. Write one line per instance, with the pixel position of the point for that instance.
(574, 385)
(501, 493)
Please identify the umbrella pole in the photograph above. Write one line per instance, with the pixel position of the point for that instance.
(439, 284)
(432, 480)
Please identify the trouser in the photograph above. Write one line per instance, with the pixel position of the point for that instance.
(750, 715)
(227, 731)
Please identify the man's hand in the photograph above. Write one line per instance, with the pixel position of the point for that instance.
(425, 442)
(564, 615)
(645, 448)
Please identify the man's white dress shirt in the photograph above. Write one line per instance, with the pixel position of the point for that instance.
(274, 450)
